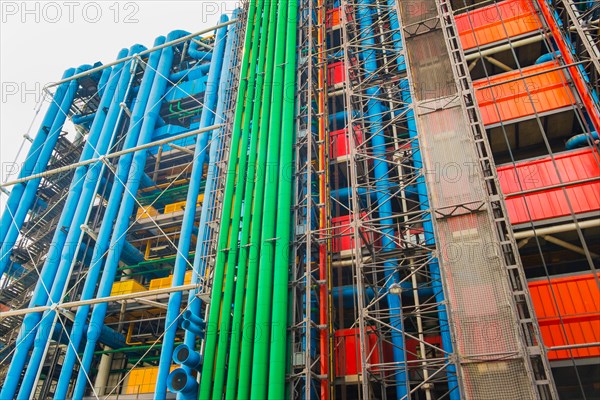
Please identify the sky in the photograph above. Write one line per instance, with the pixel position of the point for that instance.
(39, 40)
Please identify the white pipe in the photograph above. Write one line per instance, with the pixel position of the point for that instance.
(498, 64)
(349, 262)
(568, 246)
(101, 381)
(111, 155)
(504, 47)
(152, 303)
(182, 149)
(202, 44)
(473, 64)
(573, 346)
(79, 303)
(557, 229)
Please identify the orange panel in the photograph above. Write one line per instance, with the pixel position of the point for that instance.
(539, 173)
(573, 318)
(497, 22)
(510, 100)
(334, 19)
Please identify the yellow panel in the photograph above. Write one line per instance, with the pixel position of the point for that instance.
(146, 212)
(160, 283)
(136, 378)
(125, 287)
(180, 205)
(188, 278)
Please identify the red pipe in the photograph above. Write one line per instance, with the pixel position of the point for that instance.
(585, 95)
(323, 225)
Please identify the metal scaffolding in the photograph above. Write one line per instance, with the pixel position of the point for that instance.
(410, 251)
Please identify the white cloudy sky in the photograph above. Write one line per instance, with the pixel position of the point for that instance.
(39, 42)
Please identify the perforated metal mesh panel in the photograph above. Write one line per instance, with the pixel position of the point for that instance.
(506, 380)
(490, 353)
(485, 324)
(432, 76)
(450, 160)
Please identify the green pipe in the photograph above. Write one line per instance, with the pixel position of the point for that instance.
(170, 195)
(182, 114)
(278, 358)
(249, 203)
(257, 214)
(154, 261)
(143, 359)
(213, 315)
(150, 273)
(260, 359)
(232, 248)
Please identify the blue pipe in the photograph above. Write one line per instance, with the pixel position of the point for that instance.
(81, 205)
(374, 117)
(207, 118)
(193, 302)
(194, 318)
(196, 72)
(24, 338)
(547, 57)
(31, 186)
(125, 210)
(106, 228)
(582, 140)
(198, 54)
(108, 337)
(180, 382)
(83, 119)
(147, 181)
(131, 255)
(103, 80)
(397, 37)
(187, 356)
(189, 326)
(340, 117)
(14, 199)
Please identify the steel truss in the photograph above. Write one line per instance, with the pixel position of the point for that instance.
(398, 296)
(309, 377)
(215, 198)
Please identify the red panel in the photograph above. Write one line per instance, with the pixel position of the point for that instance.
(339, 142)
(573, 318)
(492, 23)
(573, 166)
(500, 101)
(347, 351)
(344, 234)
(336, 73)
